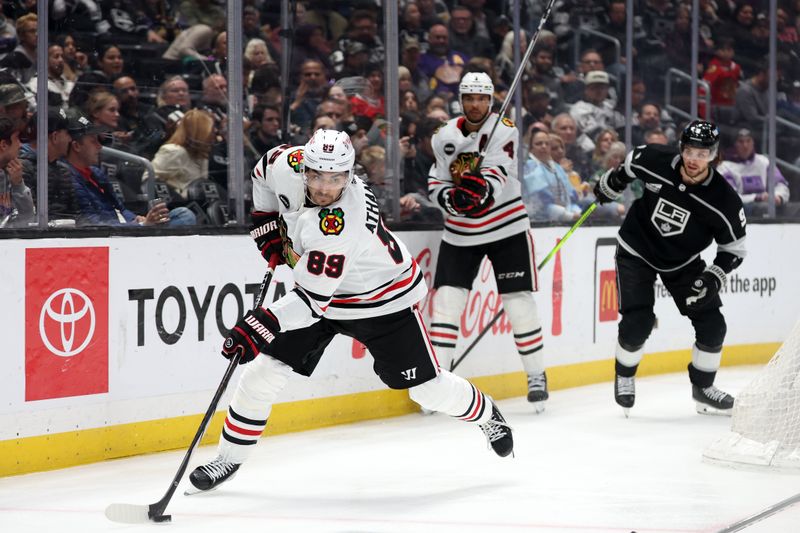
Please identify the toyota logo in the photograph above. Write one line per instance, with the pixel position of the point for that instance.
(69, 308)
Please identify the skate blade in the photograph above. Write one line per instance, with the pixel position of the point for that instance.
(191, 490)
(538, 407)
(704, 409)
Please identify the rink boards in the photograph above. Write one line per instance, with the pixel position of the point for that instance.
(111, 346)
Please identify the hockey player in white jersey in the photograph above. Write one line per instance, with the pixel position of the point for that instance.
(484, 216)
(352, 276)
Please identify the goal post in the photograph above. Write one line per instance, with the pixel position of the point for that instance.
(765, 429)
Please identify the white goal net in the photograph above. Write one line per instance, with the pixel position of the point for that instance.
(765, 431)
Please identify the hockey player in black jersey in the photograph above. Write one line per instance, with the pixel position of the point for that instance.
(686, 205)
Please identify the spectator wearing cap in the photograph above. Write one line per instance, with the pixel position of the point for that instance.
(595, 112)
(61, 202)
(573, 83)
(746, 171)
(363, 29)
(98, 204)
(57, 83)
(16, 201)
(441, 64)
(410, 53)
(13, 103)
(464, 37)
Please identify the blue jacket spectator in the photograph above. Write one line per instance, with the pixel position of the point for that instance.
(93, 191)
(547, 192)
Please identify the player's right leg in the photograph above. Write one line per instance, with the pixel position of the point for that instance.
(248, 412)
(262, 380)
(635, 281)
(456, 268)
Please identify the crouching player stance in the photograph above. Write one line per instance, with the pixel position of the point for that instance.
(686, 205)
(352, 276)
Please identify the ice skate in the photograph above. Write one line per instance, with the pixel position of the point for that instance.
(537, 391)
(625, 393)
(498, 434)
(712, 401)
(210, 476)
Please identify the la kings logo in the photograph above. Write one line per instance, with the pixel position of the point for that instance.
(669, 219)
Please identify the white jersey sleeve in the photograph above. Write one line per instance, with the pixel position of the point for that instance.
(278, 180)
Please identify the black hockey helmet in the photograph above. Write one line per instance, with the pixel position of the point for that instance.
(700, 134)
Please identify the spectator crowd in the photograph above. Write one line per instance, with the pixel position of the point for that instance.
(146, 79)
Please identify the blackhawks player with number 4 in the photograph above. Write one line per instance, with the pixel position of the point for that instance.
(484, 217)
(352, 276)
(686, 205)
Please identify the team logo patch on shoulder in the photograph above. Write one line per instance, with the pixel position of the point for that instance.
(507, 122)
(331, 222)
(449, 148)
(295, 160)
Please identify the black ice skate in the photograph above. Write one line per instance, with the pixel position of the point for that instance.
(712, 401)
(625, 392)
(210, 476)
(498, 434)
(537, 391)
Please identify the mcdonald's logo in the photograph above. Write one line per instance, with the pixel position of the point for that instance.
(609, 307)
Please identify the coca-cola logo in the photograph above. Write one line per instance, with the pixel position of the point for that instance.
(67, 322)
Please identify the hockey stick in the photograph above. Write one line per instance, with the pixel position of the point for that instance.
(514, 83)
(547, 258)
(128, 513)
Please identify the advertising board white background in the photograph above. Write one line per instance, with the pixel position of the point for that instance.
(169, 297)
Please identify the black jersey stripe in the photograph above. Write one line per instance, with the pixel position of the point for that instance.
(379, 287)
(523, 216)
(378, 303)
(301, 294)
(317, 297)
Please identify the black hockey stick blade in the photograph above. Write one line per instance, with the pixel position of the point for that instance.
(127, 513)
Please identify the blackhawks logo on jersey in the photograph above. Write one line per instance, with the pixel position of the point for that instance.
(290, 256)
(461, 163)
(331, 222)
(295, 160)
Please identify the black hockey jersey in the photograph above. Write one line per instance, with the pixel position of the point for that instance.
(673, 222)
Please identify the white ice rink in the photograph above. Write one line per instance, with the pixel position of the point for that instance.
(579, 467)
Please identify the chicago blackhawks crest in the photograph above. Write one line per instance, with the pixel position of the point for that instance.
(331, 222)
(295, 160)
(461, 163)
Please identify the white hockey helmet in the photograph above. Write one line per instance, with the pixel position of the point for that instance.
(329, 151)
(476, 83)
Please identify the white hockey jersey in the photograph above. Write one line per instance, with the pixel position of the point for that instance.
(347, 265)
(456, 151)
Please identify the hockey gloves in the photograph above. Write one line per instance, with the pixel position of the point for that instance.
(251, 335)
(265, 230)
(609, 187)
(705, 288)
(472, 198)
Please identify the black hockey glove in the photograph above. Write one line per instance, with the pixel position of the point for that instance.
(251, 335)
(473, 181)
(265, 230)
(609, 187)
(705, 287)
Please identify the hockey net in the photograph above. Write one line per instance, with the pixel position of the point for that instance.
(765, 430)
